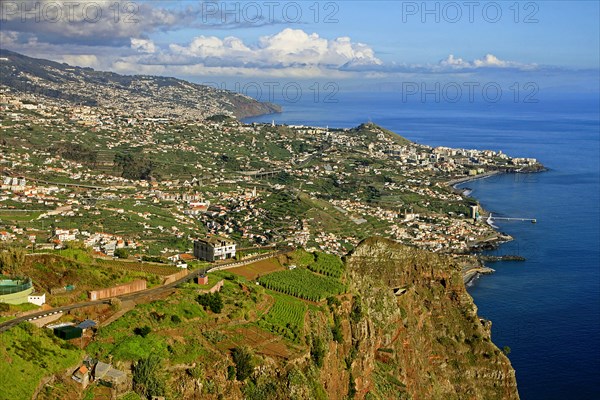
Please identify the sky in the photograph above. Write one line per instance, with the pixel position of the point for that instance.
(356, 42)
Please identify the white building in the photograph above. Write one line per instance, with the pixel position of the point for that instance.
(214, 248)
(38, 299)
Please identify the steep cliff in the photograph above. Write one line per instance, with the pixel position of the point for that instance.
(423, 342)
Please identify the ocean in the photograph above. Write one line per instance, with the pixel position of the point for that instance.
(547, 308)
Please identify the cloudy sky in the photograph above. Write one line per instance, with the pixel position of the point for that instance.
(354, 41)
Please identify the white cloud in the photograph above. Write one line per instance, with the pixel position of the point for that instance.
(81, 60)
(288, 48)
(143, 45)
(488, 61)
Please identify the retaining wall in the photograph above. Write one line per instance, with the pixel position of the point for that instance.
(114, 291)
(173, 277)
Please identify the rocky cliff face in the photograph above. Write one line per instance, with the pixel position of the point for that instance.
(425, 341)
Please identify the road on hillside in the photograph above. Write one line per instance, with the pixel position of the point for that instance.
(137, 295)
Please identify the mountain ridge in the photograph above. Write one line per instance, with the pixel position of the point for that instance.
(153, 96)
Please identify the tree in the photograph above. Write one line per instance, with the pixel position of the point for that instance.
(244, 363)
(142, 331)
(351, 387)
(11, 260)
(317, 351)
(76, 152)
(115, 304)
(148, 380)
(121, 253)
(336, 330)
(357, 312)
(212, 301)
(135, 166)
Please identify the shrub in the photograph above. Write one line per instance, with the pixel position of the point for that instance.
(231, 372)
(336, 330)
(212, 301)
(11, 260)
(244, 363)
(317, 351)
(147, 378)
(121, 253)
(142, 331)
(115, 304)
(357, 312)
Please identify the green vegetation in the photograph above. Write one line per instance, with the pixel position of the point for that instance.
(30, 353)
(75, 152)
(327, 264)
(212, 301)
(11, 260)
(148, 379)
(302, 283)
(336, 330)
(317, 350)
(121, 253)
(302, 258)
(142, 331)
(286, 317)
(244, 362)
(135, 166)
(180, 311)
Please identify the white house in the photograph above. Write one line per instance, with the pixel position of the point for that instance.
(38, 299)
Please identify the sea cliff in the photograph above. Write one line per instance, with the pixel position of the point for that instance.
(420, 335)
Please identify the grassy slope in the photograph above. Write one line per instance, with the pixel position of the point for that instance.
(27, 354)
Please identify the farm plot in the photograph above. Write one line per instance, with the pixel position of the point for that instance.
(261, 340)
(286, 318)
(302, 283)
(156, 269)
(257, 269)
(327, 264)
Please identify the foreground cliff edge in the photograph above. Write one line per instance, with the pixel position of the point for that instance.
(404, 328)
(421, 328)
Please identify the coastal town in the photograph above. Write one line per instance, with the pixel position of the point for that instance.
(260, 184)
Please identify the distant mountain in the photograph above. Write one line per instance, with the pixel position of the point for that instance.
(151, 95)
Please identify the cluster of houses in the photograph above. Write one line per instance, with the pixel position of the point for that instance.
(13, 184)
(108, 243)
(92, 370)
(100, 242)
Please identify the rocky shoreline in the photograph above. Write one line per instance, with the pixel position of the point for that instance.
(471, 272)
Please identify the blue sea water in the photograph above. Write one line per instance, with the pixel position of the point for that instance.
(546, 309)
